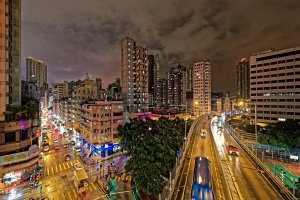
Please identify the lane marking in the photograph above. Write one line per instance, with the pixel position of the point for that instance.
(94, 186)
(64, 197)
(52, 170)
(71, 163)
(60, 167)
(70, 197)
(74, 193)
(90, 188)
(56, 169)
(48, 171)
(64, 166)
(68, 165)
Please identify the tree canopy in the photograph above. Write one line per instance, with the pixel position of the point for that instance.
(282, 134)
(152, 148)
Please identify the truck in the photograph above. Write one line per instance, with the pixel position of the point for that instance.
(81, 181)
(203, 133)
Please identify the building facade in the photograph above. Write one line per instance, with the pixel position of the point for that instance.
(36, 71)
(153, 77)
(177, 87)
(99, 121)
(162, 99)
(18, 123)
(243, 79)
(275, 85)
(134, 84)
(202, 88)
(29, 90)
(60, 90)
(189, 79)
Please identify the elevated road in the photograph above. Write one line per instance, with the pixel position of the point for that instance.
(247, 180)
(199, 147)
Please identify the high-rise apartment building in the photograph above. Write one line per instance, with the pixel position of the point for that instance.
(243, 79)
(275, 85)
(202, 87)
(177, 87)
(18, 123)
(189, 79)
(134, 85)
(60, 90)
(153, 76)
(162, 99)
(36, 70)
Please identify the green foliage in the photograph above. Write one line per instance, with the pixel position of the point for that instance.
(29, 110)
(152, 147)
(282, 134)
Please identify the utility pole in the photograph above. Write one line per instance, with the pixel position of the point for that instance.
(255, 123)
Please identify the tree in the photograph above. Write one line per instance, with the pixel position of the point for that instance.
(151, 147)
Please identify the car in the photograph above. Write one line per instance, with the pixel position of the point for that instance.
(232, 150)
(55, 140)
(2, 192)
(203, 133)
(46, 148)
(77, 166)
(65, 145)
(73, 142)
(67, 157)
(77, 149)
(57, 147)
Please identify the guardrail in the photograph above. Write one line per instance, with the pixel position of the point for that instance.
(174, 175)
(285, 192)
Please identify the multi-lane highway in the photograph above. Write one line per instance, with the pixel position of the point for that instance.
(200, 146)
(245, 181)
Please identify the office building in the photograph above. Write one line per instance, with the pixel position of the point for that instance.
(177, 87)
(243, 79)
(275, 85)
(202, 87)
(36, 71)
(18, 123)
(134, 60)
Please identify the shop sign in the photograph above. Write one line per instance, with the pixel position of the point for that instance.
(33, 151)
(12, 158)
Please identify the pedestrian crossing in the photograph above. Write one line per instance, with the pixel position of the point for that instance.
(71, 193)
(59, 167)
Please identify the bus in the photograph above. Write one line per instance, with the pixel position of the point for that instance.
(202, 188)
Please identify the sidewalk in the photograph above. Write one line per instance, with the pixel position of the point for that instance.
(293, 167)
(20, 185)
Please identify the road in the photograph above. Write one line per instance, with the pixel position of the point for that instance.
(249, 183)
(57, 175)
(200, 147)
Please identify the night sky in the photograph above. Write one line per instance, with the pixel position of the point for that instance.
(75, 37)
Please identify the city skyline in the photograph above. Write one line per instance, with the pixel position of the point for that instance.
(75, 39)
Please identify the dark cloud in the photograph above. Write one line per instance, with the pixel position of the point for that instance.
(75, 37)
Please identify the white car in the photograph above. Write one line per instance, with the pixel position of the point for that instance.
(56, 140)
(46, 148)
(77, 166)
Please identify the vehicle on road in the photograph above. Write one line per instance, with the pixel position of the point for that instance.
(77, 166)
(73, 142)
(81, 181)
(55, 140)
(65, 145)
(67, 157)
(46, 148)
(203, 133)
(202, 180)
(56, 147)
(77, 149)
(232, 150)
